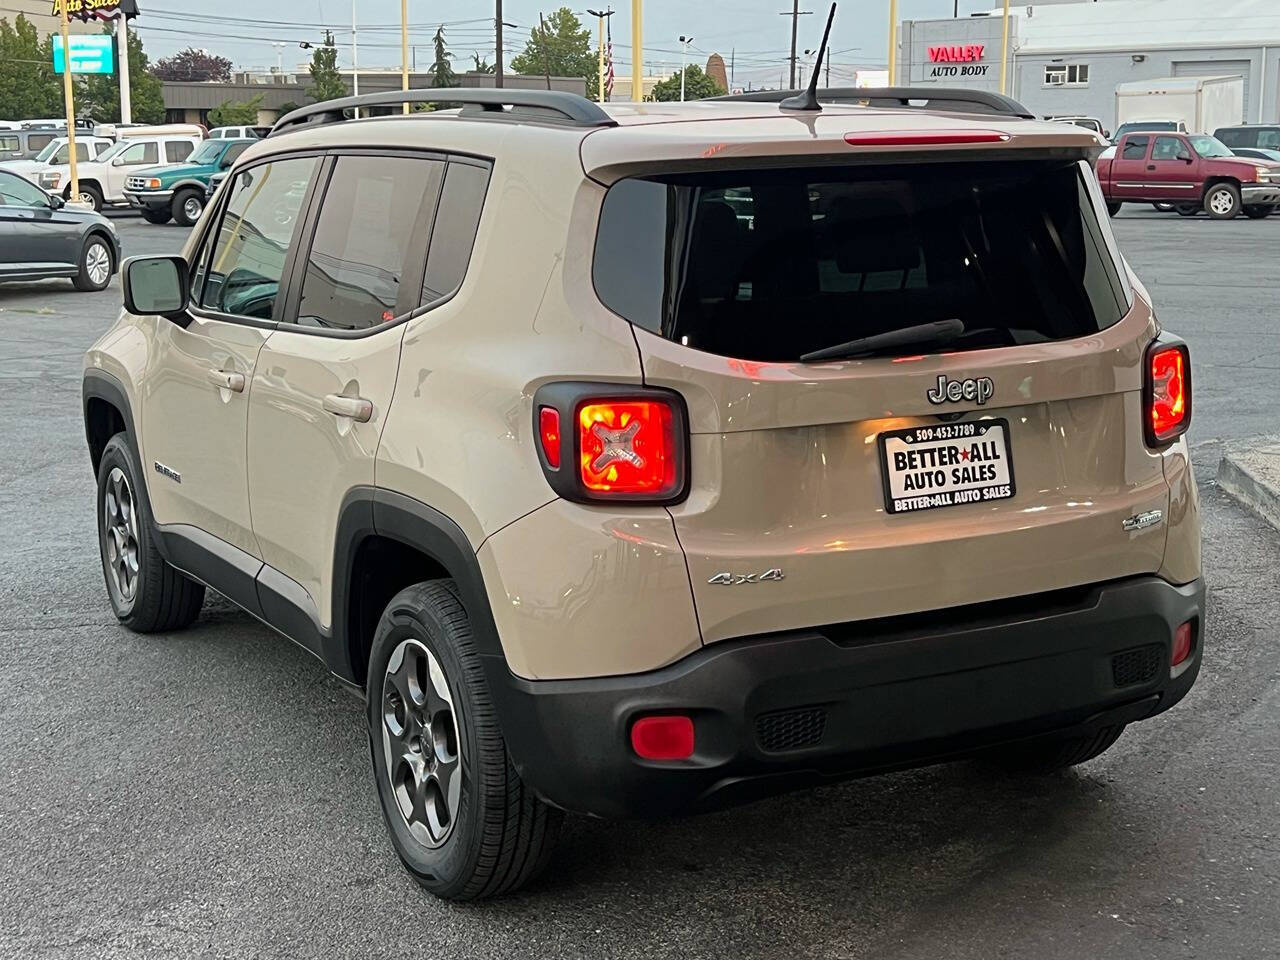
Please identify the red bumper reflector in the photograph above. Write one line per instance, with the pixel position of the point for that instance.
(663, 738)
(924, 138)
(549, 435)
(1181, 644)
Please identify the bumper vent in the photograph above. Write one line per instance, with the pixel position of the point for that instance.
(791, 729)
(1139, 665)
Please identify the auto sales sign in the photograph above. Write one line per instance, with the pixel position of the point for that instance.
(961, 60)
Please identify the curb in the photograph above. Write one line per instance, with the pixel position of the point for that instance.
(1251, 476)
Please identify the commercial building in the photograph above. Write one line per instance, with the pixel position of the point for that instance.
(1066, 57)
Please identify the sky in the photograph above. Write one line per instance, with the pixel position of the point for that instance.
(750, 32)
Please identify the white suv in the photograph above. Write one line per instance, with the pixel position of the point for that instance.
(102, 181)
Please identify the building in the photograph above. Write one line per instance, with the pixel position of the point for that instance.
(1066, 57)
(190, 102)
(622, 85)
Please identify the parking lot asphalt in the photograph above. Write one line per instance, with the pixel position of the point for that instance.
(207, 794)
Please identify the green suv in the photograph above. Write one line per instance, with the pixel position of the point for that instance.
(178, 193)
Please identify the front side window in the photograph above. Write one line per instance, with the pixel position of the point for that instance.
(371, 234)
(1167, 148)
(176, 151)
(50, 148)
(15, 191)
(137, 154)
(233, 152)
(769, 265)
(1135, 148)
(245, 268)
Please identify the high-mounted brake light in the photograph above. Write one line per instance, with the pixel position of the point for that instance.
(628, 446)
(1167, 392)
(606, 442)
(925, 138)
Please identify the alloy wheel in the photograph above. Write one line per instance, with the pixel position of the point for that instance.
(97, 263)
(420, 742)
(120, 535)
(1222, 202)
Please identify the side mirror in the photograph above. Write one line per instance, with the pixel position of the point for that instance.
(156, 286)
(1106, 134)
(56, 202)
(118, 161)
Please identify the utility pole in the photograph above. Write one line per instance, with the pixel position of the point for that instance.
(601, 15)
(733, 57)
(69, 102)
(497, 29)
(404, 51)
(637, 51)
(1004, 51)
(355, 57)
(122, 48)
(684, 60)
(795, 13)
(893, 42)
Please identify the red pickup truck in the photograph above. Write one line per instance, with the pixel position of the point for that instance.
(1189, 171)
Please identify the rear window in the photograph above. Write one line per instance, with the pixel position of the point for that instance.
(773, 264)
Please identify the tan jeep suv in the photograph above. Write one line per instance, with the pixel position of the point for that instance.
(633, 460)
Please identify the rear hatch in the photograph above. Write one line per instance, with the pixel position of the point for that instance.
(997, 456)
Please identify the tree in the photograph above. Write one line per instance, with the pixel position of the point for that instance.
(229, 113)
(441, 70)
(28, 86)
(287, 107)
(697, 85)
(326, 81)
(482, 65)
(561, 48)
(193, 64)
(98, 95)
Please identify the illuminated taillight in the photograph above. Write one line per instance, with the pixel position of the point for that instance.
(614, 443)
(1167, 392)
(549, 435)
(925, 138)
(628, 447)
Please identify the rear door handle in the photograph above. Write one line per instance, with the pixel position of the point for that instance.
(227, 381)
(357, 408)
(1151, 166)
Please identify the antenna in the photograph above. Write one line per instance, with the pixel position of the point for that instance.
(809, 99)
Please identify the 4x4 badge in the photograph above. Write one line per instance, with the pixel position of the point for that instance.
(953, 391)
(733, 579)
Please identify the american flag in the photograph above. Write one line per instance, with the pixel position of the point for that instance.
(608, 64)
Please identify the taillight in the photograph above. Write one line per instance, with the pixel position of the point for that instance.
(1167, 392)
(618, 443)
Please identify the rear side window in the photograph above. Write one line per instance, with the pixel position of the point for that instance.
(455, 229)
(1235, 137)
(1135, 148)
(371, 235)
(38, 141)
(1269, 139)
(9, 145)
(772, 264)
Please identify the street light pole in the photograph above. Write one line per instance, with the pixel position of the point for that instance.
(69, 102)
(893, 42)
(1004, 51)
(684, 59)
(355, 57)
(122, 46)
(497, 29)
(404, 50)
(637, 51)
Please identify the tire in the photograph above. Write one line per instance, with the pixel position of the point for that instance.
(155, 598)
(1222, 201)
(497, 836)
(1187, 209)
(90, 194)
(156, 216)
(1164, 207)
(188, 205)
(1259, 211)
(1113, 208)
(97, 264)
(1046, 756)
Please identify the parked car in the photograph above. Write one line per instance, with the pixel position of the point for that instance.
(603, 516)
(238, 133)
(102, 181)
(1174, 126)
(1257, 153)
(25, 144)
(1192, 172)
(56, 154)
(40, 236)
(178, 193)
(1089, 123)
(1257, 135)
(215, 182)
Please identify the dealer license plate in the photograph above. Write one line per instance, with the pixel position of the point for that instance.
(946, 465)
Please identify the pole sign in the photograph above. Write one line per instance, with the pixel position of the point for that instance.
(89, 54)
(95, 9)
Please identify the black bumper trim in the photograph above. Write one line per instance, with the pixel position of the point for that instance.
(910, 696)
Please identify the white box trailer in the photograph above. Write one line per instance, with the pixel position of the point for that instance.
(1203, 104)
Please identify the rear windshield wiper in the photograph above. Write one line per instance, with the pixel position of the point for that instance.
(933, 334)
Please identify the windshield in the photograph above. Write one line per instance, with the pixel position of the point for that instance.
(208, 152)
(44, 155)
(1210, 147)
(770, 265)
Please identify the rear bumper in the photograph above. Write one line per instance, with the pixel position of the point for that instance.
(785, 711)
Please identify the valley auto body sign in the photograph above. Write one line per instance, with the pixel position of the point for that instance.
(957, 61)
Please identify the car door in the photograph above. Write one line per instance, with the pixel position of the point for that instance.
(1128, 169)
(1173, 170)
(325, 377)
(37, 238)
(195, 411)
(144, 153)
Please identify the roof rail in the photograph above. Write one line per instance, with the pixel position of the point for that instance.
(553, 106)
(922, 98)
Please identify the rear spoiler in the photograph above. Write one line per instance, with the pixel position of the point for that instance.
(947, 99)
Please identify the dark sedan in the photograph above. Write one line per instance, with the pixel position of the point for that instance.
(40, 236)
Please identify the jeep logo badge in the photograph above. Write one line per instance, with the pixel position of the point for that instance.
(953, 391)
